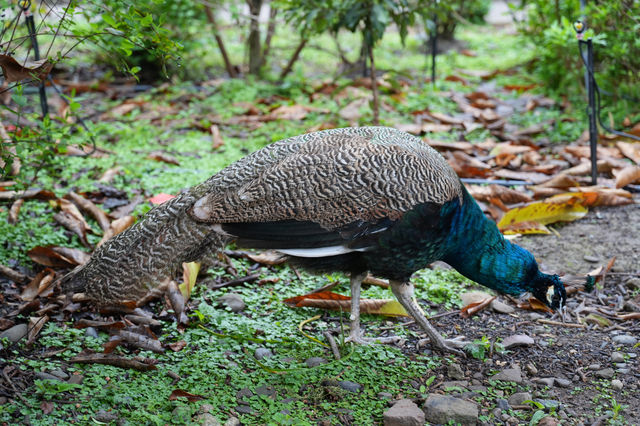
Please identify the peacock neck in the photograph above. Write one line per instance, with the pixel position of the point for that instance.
(477, 249)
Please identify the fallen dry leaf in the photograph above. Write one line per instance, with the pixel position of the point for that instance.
(58, 257)
(161, 198)
(179, 393)
(116, 227)
(544, 213)
(216, 137)
(163, 157)
(630, 150)
(629, 174)
(38, 284)
(16, 71)
(475, 307)
(15, 211)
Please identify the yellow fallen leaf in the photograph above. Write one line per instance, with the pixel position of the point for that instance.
(390, 308)
(526, 227)
(189, 273)
(543, 212)
(628, 175)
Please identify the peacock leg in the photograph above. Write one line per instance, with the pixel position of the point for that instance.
(404, 293)
(355, 333)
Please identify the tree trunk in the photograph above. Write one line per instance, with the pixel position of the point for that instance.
(374, 88)
(223, 51)
(271, 28)
(293, 59)
(255, 51)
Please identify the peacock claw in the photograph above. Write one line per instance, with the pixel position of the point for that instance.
(454, 345)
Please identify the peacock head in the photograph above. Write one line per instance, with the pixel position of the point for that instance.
(541, 285)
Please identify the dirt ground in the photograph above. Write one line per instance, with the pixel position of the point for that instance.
(586, 370)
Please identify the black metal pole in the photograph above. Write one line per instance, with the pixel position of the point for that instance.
(593, 126)
(36, 52)
(434, 49)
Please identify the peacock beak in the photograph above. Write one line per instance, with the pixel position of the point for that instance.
(551, 292)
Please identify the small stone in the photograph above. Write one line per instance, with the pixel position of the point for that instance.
(517, 340)
(455, 372)
(605, 373)
(261, 353)
(385, 395)
(46, 376)
(404, 413)
(509, 375)
(594, 366)
(591, 259)
(206, 408)
(535, 316)
(232, 301)
(503, 404)
(59, 374)
(244, 409)
(548, 404)
(546, 381)
(633, 283)
(76, 379)
(620, 365)
(15, 333)
(350, 386)
(232, 421)
(105, 416)
(244, 393)
(444, 409)
(617, 357)
(617, 384)
(206, 419)
(531, 369)
(519, 397)
(315, 361)
(454, 384)
(623, 370)
(502, 308)
(478, 376)
(563, 383)
(624, 339)
(180, 415)
(266, 390)
(548, 421)
(91, 332)
(497, 412)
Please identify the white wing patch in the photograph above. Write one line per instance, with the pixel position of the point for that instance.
(320, 251)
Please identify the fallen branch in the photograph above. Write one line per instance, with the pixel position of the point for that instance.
(562, 324)
(236, 282)
(144, 365)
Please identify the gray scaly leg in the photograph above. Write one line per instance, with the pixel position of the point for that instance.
(404, 293)
(355, 333)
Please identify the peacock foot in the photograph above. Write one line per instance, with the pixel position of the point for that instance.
(454, 345)
(356, 337)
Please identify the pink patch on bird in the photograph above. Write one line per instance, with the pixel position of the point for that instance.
(161, 198)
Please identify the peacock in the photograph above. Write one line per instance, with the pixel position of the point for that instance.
(356, 200)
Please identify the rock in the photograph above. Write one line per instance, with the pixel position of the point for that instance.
(548, 421)
(502, 308)
(180, 415)
(59, 374)
(563, 383)
(503, 404)
(266, 390)
(244, 409)
(519, 397)
(46, 376)
(517, 340)
(350, 386)
(531, 369)
(76, 379)
(15, 333)
(404, 413)
(623, 370)
(454, 384)
(232, 301)
(633, 283)
(91, 332)
(624, 339)
(205, 408)
(105, 416)
(261, 353)
(546, 381)
(548, 404)
(206, 419)
(232, 421)
(535, 316)
(444, 409)
(509, 375)
(385, 395)
(315, 361)
(617, 384)
(605, 373)
(617, 357)
(591, 259)
(455, 372)
(244, 393)
(497, 412)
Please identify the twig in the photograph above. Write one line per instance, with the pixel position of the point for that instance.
(13, 275)
(17, 392)
(236, 282)
(113, 360)
(332, 343)
(562, 324)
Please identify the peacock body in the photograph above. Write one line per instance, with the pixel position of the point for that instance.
(355, 200)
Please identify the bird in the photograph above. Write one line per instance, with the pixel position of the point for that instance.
(357, 200)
